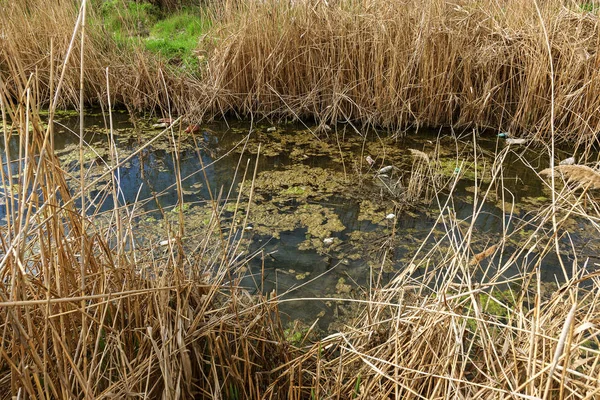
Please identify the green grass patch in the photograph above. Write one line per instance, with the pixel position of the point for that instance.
(591, 7)
(176, 37)
(126, 20)
(173, 37)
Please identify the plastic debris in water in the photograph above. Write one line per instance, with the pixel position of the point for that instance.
(385, 170)
(328, 240)
(516, 141)
(503, 135)
(568, 161)
(456, 170)
(160, 125)
(271, 129)
(370, 161)
(192, 128)
(390, 216)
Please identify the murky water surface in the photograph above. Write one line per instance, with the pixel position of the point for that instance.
(318, 218)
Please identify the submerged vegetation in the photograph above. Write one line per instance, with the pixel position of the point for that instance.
(117, 301)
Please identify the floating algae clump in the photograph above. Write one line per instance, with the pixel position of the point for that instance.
(299, 182)
(320, 221)
(288, 200)
(373, 212)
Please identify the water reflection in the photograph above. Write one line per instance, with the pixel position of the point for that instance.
(364, 248)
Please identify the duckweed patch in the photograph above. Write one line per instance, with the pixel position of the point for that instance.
(300, 183)
(331, 204)
(319, 221)
(373, 212)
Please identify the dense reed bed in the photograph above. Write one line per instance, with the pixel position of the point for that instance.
(526, 67)
(399, 63)
(35, 33)
(87, 311)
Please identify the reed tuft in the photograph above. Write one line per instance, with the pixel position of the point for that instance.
(579, 175)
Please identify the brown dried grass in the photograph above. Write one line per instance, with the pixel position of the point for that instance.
(87, 311)
(452, 325)
(35, 32)
(390, 64)
(581, 176)
(400, 63)
(78, 319)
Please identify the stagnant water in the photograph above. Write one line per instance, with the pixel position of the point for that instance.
(319, 208)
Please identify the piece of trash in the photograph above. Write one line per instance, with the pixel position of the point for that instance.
(328, 240)
(456, 170)
(516, 141)
(165, 120)
(323, 128)
(166, 242)
(271, 129)
(160, 125)
(390, 216)
(370, 161)
(568, 161)
(249, 228)
(503, 135)
(385, 170)
(192, 128)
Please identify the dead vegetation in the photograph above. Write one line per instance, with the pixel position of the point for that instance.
(580, 176)
(36, 33)
(80, 320)
(394, 64)
(87, 311)
(387, 64)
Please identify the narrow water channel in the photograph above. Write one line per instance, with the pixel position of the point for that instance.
(330, 214)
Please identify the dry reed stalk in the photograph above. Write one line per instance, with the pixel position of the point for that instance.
(376, 62)
(412, 63)
(136, 76)
(477, 258)
(178, 331)
(581, 176)
(452, 332)
(419, 154)
(84, 315)
(149, 336)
